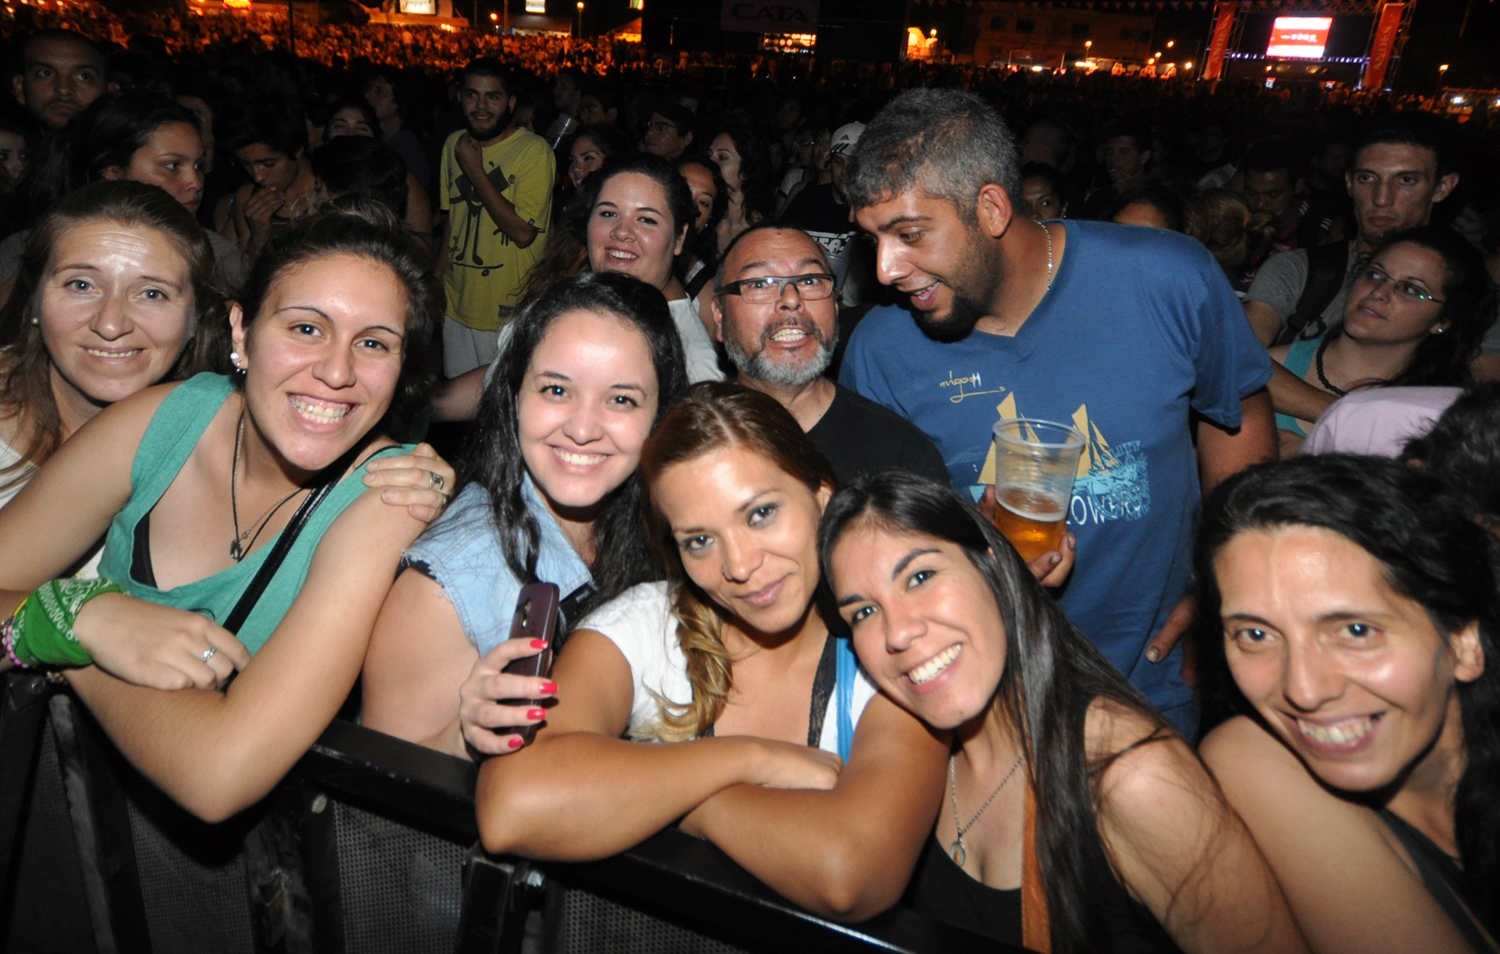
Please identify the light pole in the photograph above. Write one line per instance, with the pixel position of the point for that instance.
(1441, 71)
(580, 19)
(494, 17)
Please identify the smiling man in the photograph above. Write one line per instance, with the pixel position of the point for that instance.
(1123, 333)
(1401, 169)
(775, 311)
(61, 73)
(495, 186)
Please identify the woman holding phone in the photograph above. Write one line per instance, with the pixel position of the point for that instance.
(776, 747)
(588, 369)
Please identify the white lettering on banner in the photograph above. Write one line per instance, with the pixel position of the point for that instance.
(770, 16)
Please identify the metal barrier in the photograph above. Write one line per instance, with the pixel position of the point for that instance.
(369, 845)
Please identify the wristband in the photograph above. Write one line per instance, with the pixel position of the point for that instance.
(8, 638)
(42, 628)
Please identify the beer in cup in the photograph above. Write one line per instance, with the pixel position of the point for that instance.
(1035, 462)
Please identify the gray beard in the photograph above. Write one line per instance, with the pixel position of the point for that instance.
(758, 367)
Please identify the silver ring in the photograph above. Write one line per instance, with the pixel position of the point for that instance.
(435, 480)
(209, 653)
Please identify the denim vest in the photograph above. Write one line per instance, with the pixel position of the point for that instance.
(461, 551)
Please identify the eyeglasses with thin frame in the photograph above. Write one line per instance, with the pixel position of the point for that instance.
(814, 286)
(1376, 276)
(661, 126)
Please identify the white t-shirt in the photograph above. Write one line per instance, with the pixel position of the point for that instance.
(702, 356)
(640, 622)
(8, 456)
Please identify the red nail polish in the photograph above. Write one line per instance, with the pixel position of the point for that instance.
(536, 713)
(514, 743)
(538, 644)
(549, 687)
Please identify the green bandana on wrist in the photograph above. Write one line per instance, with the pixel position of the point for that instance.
(44, 622)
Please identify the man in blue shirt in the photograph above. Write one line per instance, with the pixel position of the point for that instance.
(1122, 332)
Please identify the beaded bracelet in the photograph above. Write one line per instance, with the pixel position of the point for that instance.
(8, 637)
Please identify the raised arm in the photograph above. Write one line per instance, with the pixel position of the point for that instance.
(848, 852)
(580, 792)
(217, 754)
(1181, 850)
(1350, 888)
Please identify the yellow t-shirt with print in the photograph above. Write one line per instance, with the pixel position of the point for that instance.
(485, 268)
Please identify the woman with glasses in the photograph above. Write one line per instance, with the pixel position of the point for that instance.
(1415, 317)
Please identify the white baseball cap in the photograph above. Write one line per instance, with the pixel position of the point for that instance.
(845, 138)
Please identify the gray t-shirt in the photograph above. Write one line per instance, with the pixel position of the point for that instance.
(1279, 284)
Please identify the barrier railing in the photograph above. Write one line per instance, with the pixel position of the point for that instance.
(369, 845)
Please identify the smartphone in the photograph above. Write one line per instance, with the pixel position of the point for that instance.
(535, 618)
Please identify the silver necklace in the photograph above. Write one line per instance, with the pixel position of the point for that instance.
(242, 542)
(956, 850)
(1048, 233)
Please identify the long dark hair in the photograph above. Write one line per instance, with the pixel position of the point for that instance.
(1053, 674)
(623, 557)
(1443, 360)
(103, 136)
(704, 243)
(679, 197)
(362, 227)
(25, 369)
(1430, 552)
(757, 182)
(715, 415)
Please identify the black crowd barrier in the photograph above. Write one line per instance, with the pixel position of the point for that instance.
(369, 846)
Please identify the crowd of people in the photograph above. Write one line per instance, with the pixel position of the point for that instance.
(725, 361)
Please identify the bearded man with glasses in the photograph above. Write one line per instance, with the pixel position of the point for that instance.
(775, 312)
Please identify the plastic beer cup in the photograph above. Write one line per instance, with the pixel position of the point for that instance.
(1035, 462)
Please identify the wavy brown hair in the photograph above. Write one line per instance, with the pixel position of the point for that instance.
(714, 416)
(26, 366)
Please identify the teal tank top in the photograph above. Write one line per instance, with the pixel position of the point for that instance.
(1299, 358)
(169, 439)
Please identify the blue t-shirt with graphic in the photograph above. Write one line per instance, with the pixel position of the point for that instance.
(1139, 327)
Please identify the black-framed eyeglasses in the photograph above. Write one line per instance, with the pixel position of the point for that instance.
(1376, 276)
(814, 286)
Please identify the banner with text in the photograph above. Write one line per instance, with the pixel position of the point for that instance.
(1387, 30)
(770, 16)
(1223, 26)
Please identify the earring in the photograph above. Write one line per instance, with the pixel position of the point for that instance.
(1438, 331)
(35, 320)
(234, 359)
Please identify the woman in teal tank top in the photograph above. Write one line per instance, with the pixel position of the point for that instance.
(195, 483)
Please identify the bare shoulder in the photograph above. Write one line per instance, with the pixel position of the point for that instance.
(1243, 752)
(1145, 765)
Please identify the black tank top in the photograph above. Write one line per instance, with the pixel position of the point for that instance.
(1446, 883)
(943, 890)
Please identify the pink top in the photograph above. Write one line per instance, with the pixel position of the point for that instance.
(1378, 422)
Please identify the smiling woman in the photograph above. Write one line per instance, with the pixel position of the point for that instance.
(237, 521)
(1357, 611)
(112, 288)
(1114, 837)
(779, 750)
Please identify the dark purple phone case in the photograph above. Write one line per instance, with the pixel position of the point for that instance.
(535, 618)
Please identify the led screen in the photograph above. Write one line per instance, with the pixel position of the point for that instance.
(1299, 37)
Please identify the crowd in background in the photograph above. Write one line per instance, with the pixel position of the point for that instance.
(715, 345)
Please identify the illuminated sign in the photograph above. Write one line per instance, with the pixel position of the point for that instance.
(1299, 37)
(536, 6)
(428, 7)
(776, 16)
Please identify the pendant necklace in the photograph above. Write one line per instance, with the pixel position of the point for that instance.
(956, 850)
(242, 542)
